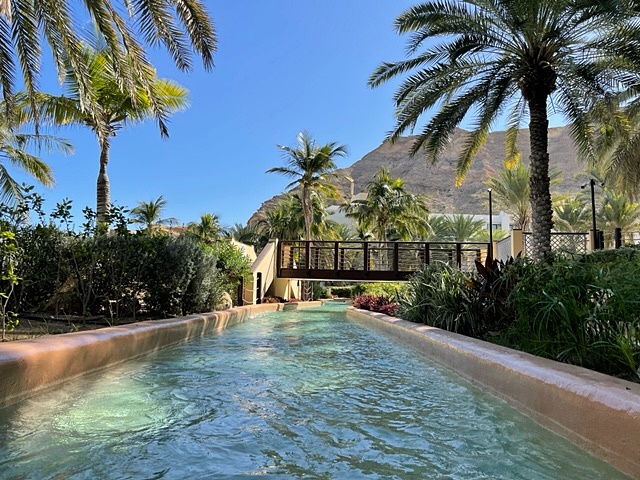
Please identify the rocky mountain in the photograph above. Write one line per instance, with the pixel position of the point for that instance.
(437, 181)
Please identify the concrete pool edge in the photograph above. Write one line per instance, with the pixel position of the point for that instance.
(28, 367)
(600, 414)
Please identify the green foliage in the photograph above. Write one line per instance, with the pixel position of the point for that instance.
(442, 296)
(343, 292)
(232, 265)
(320, 292)
(584, 311)
(383, 289)
(8, 279)
(62, 271)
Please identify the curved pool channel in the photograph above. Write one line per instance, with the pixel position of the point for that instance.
(293, 394)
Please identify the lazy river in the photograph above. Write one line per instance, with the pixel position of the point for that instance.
(293, 394)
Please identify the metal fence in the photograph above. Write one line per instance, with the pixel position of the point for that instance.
(562, 242)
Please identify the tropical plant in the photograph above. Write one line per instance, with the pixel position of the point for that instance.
(115, 107)
(178, 25)
(618, 211)
(511, 190)
(389, 207)
(312, 168)
(246, 234)
(462, 228)
(510, 58)
(149, 214)
(207, 230)
(14, 147)
(283, 220)
(442, 296)
(572, 215)
(581, 311)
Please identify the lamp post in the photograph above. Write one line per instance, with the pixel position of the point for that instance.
(490, 225)
(592, 183)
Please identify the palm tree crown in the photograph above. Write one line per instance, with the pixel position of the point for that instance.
(497, 59)
(389, 206)
(207, 230)
(149, 214)
(181, 26)
(312, 168)
(115, 108)
(14, 151)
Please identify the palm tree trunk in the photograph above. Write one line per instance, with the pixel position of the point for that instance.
(103, 188)
(539, 182)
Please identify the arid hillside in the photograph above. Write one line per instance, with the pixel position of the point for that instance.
(437, 181)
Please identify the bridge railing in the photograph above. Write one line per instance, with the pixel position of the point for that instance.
(323, 259)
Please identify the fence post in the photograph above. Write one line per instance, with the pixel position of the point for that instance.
(617, 237)
(593, 240)
(517, 242)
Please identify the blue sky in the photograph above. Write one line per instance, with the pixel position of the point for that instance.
(282, 66)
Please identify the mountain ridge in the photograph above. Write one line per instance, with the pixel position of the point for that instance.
(437, 181)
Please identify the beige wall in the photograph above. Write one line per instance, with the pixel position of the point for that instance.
(598, 413)
(28, 367)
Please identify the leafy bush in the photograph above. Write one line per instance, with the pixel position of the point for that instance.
(320, 292)
(63, 271)
(385, 289)
(376, 303)
(343, 292)
(442, 296)
(584, 311)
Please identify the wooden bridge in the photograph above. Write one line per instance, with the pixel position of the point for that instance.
(371, 261)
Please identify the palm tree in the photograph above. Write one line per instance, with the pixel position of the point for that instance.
(312, 169)
(179, 25)
(463, 228)
(499, 59)
(511, 190)
(149, 214)
(13, 151)
(243, 233)
(618, 211)
(116, 108)
(207, 230)
(389, 206)
(572, 215)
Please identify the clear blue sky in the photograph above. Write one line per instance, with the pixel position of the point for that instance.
(282, 66)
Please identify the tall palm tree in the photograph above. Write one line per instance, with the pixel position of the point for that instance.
(389, 206)
(14, 148)
(511, 190)
(115, 108)
(312, 168)
(181, 26)
(149, 214)
(207, 230)
(509, 58)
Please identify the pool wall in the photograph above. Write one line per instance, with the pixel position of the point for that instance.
(30, 366)
(599, 413)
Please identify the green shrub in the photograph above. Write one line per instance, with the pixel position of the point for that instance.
(584, 311)
(385, 289)
(442, 296)
(343, 292)
(320, 291)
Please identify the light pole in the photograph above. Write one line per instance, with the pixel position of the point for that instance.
(490, 225)
(592, 183)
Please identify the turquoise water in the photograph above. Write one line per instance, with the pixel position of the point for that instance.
(301, 394)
